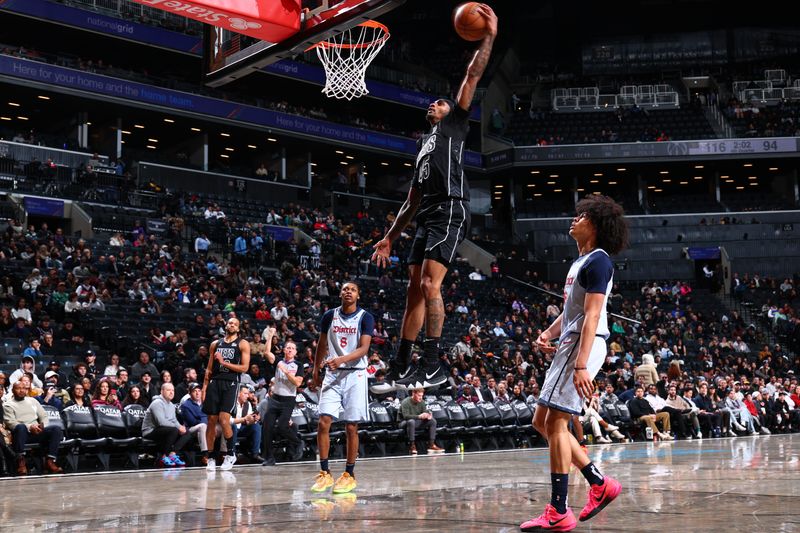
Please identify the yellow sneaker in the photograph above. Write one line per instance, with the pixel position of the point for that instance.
(345, 483)
(323, 482)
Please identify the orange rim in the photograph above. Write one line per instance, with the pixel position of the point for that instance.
(368, 24)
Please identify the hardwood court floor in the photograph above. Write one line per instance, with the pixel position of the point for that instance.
(741, 484)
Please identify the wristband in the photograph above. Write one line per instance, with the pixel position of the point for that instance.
(579, 368)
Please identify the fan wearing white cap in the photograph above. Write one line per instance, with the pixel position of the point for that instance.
(53, 395)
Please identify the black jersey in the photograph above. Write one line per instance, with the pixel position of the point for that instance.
(439, 172)
(232, 354)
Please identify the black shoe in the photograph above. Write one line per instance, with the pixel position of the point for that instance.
(426, 376)
(269, 461)
(395, 373)
(255, 459)
(298, 451)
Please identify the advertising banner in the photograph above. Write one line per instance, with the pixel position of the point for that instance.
(138, 92)
(89, 20)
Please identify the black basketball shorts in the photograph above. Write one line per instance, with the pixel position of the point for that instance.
(220, 396)
(439, 232)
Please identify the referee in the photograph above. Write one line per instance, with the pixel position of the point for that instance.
(288, 376)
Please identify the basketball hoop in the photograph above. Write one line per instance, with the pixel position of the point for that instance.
(346, 57)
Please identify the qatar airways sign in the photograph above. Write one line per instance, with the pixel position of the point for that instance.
(267, 20)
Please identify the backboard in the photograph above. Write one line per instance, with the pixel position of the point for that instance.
(229, 55)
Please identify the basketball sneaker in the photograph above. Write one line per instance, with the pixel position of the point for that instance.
(322, 482)
(177, 461)
(165, 462)
(617, 435)
(228, 462)
(211, 465)
(397, 371)
(551, 520)
(426, 376)
(599, 497)
(345, 483)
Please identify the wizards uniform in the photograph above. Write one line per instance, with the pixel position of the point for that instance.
(590, 273)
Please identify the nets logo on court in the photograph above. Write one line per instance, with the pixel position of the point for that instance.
(202, 14)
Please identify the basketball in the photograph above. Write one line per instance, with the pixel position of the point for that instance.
(468, 22)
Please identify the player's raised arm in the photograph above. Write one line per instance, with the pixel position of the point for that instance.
(270, 336)
(479, 61)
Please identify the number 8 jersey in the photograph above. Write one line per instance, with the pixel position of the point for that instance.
(344, 331)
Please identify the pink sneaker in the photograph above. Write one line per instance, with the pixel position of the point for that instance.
(599, 497)
(551, 520)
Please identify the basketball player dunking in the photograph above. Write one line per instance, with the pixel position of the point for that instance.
(439, 196)
(229, 358)
(345, 336)
(599, 229)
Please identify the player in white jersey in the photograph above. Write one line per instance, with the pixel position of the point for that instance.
(599, 229)
(345, 336)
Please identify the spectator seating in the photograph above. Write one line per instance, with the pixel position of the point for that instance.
(604, 126)
(519, 310)
(780, 120)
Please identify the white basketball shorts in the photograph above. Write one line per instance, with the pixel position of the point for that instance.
(344, 395)
(558, 391)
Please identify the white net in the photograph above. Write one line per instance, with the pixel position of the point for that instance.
(346, 57)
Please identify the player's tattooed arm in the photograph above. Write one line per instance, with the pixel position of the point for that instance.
(481, 58)
(479, 61)
(434, 317)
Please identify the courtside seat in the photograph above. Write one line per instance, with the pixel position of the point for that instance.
(475, 421)
(618, 414)
(69, 445)
(336, 433)
(508, 419)
(439, 413)
(395, 433)
(307, 435)
(458, 422)
(80, 424)
(492, 422)
(525, 421)
(133, 416)
(382, 427)
(111, 425)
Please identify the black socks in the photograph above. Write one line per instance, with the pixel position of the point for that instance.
(558, 496)
(431, 351)
(592, 474)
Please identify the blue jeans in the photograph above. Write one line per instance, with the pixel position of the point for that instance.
(49, 438)
(251, 433)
